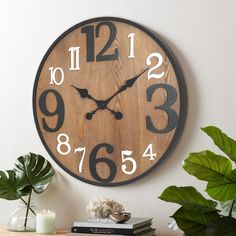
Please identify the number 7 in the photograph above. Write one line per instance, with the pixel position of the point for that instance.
(83, 150)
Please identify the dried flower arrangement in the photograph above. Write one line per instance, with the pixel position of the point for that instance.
(102, 207)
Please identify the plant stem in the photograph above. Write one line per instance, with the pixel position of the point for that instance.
(231, 209)
(27, 210)
(26, 205)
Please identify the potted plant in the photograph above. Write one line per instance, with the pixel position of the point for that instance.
(32, 173)
(197, 215)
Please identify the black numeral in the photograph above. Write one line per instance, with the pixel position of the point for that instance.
(93, 161)
(89, 31)
(101, 56)
(166, 106)
(59, 110)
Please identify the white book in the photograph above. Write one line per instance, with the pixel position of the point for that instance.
(132, 223)
(101, 220)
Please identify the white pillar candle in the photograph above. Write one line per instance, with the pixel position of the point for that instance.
(45, 222)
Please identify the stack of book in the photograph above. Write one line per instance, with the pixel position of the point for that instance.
(134, 226)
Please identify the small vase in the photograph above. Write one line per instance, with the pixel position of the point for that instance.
(18, 221)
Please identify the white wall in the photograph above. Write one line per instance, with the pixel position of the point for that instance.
(202, 35)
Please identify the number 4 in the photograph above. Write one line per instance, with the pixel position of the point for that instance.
(149, 152)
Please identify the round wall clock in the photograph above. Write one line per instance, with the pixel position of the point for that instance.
(108, 101)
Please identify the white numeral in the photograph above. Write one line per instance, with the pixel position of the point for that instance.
(124, 159)
(159, 63)
(149, 153)
(83, 150)
(131, 45)
(64, 142)
(74, 58)
(53, 79)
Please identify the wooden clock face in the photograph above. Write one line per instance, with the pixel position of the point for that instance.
(108, 101)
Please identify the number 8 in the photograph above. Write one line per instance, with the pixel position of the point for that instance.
(65, 143)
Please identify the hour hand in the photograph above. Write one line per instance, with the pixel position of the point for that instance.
(84, 93)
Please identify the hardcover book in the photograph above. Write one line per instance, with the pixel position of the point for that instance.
(150, 232)
(132, 223)
(100, 230)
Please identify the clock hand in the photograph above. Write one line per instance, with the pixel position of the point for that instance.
(118, 115)
(84, 93)
(127, 84)
(100, 104)
(89, 115)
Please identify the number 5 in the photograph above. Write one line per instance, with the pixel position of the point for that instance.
(124, 159)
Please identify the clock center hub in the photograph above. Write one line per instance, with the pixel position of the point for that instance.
(102, 104)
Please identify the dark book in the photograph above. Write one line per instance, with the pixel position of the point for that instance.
(99, 230)
(132, 223)
(150, 232)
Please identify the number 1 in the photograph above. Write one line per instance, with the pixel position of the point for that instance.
(131, 48)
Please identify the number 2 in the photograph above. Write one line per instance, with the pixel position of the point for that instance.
(159, 63)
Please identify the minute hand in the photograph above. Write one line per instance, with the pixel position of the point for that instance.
(127, 84)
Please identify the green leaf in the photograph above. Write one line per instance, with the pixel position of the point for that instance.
(10, 185)
(232, 176)
(36, 170)
(194, 223)
(207, 166)
(226, 206)
(215, 169)
(221, 140)
(189, 198)
(222, 191)
(225, 226)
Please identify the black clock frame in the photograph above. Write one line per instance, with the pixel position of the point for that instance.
(182, 93)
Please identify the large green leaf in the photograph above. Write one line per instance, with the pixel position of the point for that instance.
(227, 205)
(207, 166)
(225, 226)
(215, 169)
(232, 176)
(222, 191)
(36, 170)
(224, 142)
(189, 198)
(194, 223)
(11, 185)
